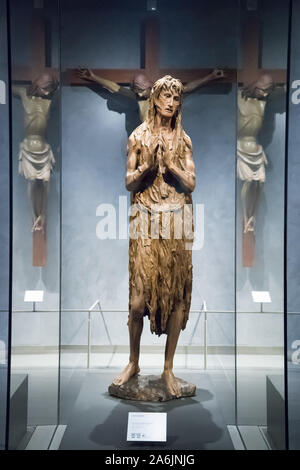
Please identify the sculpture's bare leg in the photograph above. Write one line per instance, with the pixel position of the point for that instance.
(250, 196)
(135, 326)
(38, 192)
(174, 328)
(258, 190)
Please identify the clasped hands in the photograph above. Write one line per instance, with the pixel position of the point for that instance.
(152, 160)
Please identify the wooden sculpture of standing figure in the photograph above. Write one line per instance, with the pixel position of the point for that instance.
(251, 158)
(161, 177)
(36, 159)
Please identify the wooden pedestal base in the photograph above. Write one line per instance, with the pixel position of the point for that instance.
(248, 249)
(39, 248)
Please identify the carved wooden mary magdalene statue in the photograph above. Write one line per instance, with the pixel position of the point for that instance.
(251, 158)
(160, 175)
(36, 159)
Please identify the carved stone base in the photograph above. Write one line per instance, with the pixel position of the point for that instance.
(149, 388)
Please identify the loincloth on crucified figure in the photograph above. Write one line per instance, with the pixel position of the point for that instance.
(36, 165)
(251, 165)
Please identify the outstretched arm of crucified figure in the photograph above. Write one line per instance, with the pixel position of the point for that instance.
(87, 74)
(216, 74)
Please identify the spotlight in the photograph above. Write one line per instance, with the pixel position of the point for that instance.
(151, 5)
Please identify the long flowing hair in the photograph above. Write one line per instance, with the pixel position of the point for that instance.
(167, 83)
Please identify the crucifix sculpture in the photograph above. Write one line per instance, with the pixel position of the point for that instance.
(36, 159)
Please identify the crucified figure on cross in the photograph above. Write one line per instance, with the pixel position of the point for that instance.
(251, 158)
(36, 159)
(141, 85)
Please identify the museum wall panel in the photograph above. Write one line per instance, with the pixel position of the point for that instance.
(293, 226)
(4, 224)
(209, 39)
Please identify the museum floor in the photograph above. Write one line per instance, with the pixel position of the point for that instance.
(91, 419)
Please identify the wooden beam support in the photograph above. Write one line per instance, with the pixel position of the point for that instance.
(39, 43)
(251, 41)
(152, 49)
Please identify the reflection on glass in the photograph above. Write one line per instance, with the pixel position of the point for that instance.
(260, 230)
(36, 223)
(4, 225)
(36, 158)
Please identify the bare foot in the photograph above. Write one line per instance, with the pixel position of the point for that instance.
(172, 383)
(38, 224)
(249, 225)
(130, 370)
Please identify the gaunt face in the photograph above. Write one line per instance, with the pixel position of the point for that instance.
(142, 93)
(45, 87)
(43, 92)
(261, 93)
(141, 85)
(263, 88)
(167, 103)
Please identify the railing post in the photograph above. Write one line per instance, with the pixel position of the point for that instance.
(89, 340)
(205, 334)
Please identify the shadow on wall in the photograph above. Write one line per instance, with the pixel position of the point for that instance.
(120, 104)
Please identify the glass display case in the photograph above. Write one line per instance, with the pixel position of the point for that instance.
(5, 230)
(75, 81)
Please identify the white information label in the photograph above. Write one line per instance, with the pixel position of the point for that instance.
(34, 296)
(147, 427)
(261, 296)
(2, 92)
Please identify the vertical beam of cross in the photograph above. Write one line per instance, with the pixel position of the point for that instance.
(38, 61)
(251, 49)
(152, 42)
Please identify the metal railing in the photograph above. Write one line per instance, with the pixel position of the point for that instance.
(96, 308)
